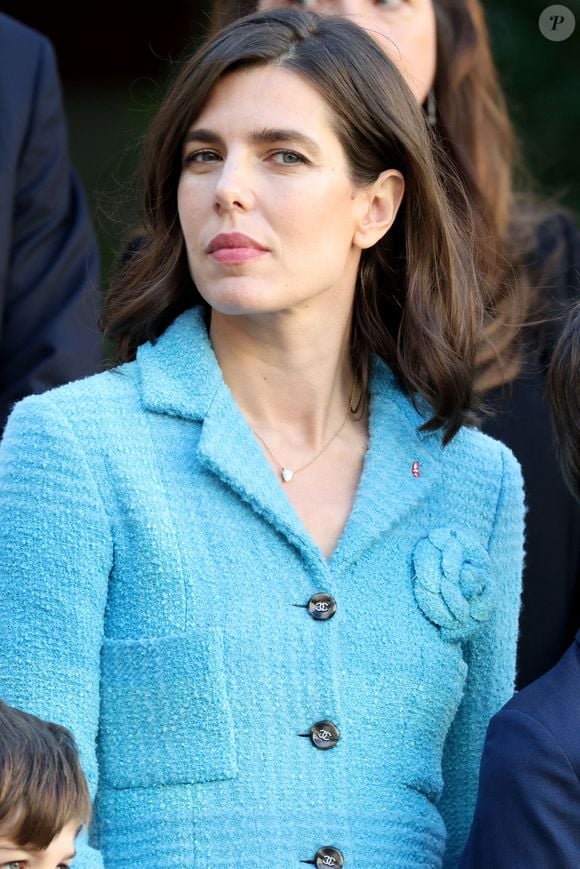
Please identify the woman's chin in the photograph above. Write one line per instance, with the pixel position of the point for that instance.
(243, 297)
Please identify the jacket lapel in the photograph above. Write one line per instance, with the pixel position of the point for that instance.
(180, 376)
(229, 448)
(401, 467)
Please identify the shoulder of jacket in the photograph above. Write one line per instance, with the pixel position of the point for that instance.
(88, 398)
(475, 447)
(21, 37)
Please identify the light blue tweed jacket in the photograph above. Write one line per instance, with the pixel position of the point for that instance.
(154, 578)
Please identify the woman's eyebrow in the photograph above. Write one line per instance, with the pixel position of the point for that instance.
(206, 136)
(272, 136)
(265, 136)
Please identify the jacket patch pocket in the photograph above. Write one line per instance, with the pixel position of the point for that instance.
(165, 714)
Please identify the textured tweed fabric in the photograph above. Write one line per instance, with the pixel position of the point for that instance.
(154, 578)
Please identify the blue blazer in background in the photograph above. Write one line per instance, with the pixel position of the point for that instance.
(49, 265)
(528, 807)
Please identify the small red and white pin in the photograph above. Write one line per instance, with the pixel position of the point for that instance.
(415, 469)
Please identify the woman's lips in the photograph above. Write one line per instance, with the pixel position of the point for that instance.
(234, 247)
(234, 255)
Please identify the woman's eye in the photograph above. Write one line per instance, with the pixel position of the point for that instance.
(205, 156)
(391, 4)
(16, 864)
(288, 158)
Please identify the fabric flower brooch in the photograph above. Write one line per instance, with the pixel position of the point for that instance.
(453, 583)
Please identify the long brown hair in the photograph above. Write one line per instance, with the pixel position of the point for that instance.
(42, 787)
(417, 303)
(472, 126)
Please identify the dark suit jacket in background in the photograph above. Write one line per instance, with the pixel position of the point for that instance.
(528, 807)
(48, 252)
(522, 420)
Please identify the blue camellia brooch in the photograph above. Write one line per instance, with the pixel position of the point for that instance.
(453, 583)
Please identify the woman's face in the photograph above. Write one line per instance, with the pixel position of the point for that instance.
(269, 214)
(405, 29)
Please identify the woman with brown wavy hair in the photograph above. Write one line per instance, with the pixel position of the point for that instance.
(529, 266)
(265, 570)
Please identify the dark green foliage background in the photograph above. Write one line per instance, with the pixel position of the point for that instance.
(542, 81)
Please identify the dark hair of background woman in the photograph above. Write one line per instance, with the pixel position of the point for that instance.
(417, 302)
(564, 397)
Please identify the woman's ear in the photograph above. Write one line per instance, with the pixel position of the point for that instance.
(381, 203)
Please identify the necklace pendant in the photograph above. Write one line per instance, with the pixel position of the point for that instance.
(287, 474)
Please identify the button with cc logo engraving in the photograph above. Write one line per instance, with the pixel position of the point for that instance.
(324, 735)
(329, 857)
(321, 607)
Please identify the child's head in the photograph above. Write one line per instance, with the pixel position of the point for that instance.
(44, 797)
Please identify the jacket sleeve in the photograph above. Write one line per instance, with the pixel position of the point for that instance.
(528, 805)
(490, 656)
(55, 560)
(51, 299)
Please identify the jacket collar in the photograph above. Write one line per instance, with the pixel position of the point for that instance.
(179, 375)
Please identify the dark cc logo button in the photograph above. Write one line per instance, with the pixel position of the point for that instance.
(321, 607)
(324, 735)
(329, 857)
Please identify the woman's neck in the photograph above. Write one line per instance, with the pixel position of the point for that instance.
(290, 374)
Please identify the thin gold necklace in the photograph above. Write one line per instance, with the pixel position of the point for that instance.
(285, 472)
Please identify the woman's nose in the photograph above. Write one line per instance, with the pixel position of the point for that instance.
(233, 189)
